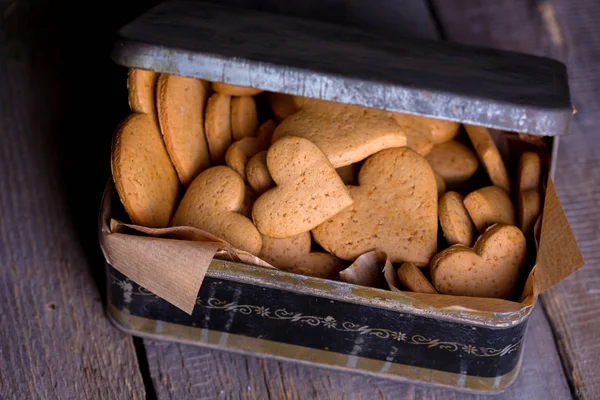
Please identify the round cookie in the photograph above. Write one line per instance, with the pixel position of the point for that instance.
(490, 269)
(213, 203)
(284, 105)
(412, 279)
(180, 107)
(244, 120)
(293, 255)
(417, 134)
(455, 221)
(308, 190)
(240, 152)
(529, 171)
(257, 173)
(141, 88)
(233, 90)
(454, 161)
(217, 124)
(265, 131)
(144, 176)
(530, 206)
(440, 130)
(489, 156)
(395, 210)
(441, 184)
(489, 205)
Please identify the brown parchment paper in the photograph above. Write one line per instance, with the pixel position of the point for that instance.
(172, 262)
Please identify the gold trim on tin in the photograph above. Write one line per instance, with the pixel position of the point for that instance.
(161, 330)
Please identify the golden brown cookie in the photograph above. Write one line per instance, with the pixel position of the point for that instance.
(258, 174)
(244, 120)
(144, 176)
(455, 221)
(490, 269)
(240, 152)
(250, 197)
(293, 255)
(440, 130)
(346, 134)
(218, 126)
(284, 105)
(529, 171)
(395, 211)
(141, 87)
(265, 131)
(489, 205)
(213, 203)
(530, 206)
(489, 156)
(308, 190)
(418, 135)
(454, 161)
(180, 105)
(233, 90)
(441, 184)
(412, 279)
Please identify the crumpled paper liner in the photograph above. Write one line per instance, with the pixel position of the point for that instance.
(172, 262)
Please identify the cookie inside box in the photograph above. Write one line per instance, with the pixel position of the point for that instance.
(430, 208)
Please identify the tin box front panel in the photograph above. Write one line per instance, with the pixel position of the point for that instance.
(269, 321)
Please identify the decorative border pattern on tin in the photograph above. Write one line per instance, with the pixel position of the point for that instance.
(331, 323)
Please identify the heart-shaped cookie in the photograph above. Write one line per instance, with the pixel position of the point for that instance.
(395, 211)
(293, 255)
(490, 269)
(489, 205)
(213, 203)
(346, 134)
(308, 192)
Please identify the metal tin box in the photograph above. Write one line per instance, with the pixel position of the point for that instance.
(274, 313)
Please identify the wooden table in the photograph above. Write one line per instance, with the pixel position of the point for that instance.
(60, 99)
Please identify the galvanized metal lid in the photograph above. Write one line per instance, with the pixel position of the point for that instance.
(497, 89)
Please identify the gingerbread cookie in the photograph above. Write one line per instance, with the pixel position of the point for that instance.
(346, 134)
(218, 126)
(440, 130)
(530, 206)
(233, 90)
(441, 184)
(180, 107)
(244, 120)
(141, 88)
(489, 156)
(284, 105)
(293, 255)
(529, 171)
(395, 211)
(417, 134)
(489, 205)
(250, 197)
(213, 203)
(454, 161)
(240, 152)
(412, 279)
(308, 191)
(265, 131)
(455, 221)
(490, 269)
(144, 176)
(258, 174)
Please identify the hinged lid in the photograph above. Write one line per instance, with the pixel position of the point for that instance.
(497, 89)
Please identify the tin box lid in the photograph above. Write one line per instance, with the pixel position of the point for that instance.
(479, 86)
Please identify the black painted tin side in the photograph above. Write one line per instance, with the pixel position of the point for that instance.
(364, 338)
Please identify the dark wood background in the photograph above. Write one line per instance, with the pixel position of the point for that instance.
(60, 99)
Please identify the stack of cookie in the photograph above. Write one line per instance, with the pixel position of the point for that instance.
(312, 185)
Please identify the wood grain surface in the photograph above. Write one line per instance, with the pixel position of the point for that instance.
(55, 342)
(568, 30)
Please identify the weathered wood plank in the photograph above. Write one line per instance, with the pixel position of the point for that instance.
(180, 371)
(568, 30)
(54, 339)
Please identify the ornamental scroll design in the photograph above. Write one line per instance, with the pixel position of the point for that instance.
(330, 322)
